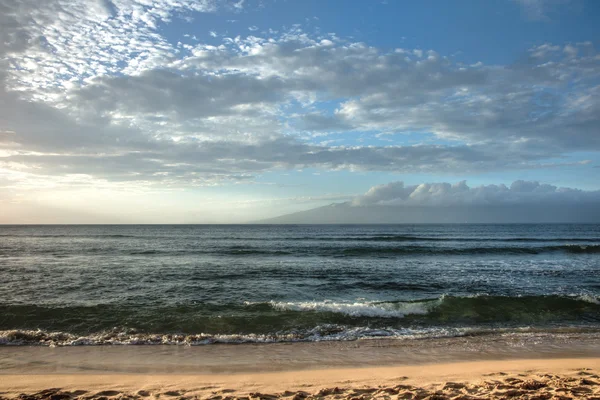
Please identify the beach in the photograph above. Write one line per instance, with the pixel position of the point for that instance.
(531, 379)
(461, 368)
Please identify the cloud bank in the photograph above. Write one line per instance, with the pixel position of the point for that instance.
(460, 194)
(395, 202)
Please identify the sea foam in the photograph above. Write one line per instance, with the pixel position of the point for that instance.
(361, 309)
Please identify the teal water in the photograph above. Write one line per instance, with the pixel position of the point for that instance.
(202, 284)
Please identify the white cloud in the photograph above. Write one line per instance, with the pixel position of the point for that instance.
(92, 88)
(539, 9)
(460, 194)
(239, 5)
(423, 91)
(56, 41)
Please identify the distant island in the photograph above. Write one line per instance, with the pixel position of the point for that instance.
(347, 213)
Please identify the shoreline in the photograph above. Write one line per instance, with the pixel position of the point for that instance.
(38, 337)
(467, 368)
(248, 358)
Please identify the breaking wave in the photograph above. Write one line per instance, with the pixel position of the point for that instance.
(276, 321)
(482, 308)
(361, 309)
(320, 333)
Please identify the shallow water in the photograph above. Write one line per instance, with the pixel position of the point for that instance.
(299, 356)
(201, 284)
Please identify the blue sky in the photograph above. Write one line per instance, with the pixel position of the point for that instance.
(230, 111)
(495, 31)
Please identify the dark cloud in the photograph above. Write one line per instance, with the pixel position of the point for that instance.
(160, 91)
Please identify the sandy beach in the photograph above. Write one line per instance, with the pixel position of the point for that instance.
(519, 379)
(527, 367)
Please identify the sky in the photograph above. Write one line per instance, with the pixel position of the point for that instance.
(184, 111)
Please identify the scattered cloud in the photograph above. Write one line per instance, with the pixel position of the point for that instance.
(93, 90)
(239, 5)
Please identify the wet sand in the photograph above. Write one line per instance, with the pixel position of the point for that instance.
(221, 359)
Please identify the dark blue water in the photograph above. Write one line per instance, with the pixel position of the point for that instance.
(207, 284)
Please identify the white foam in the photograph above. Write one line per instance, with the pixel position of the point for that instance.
(589, 298)
(321, 333)
(360, 309)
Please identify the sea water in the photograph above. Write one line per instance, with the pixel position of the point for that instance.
(204, 284)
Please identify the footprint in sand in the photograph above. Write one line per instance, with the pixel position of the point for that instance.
(107, 393)
(513, 380)
(453, 385)
(496, 373)
(77, 393)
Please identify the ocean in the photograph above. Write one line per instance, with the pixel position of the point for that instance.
(207, 284)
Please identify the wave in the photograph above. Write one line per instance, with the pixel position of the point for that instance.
(320, 333)
(449, 308)
(589, 298)
(361, 309)
(230, 251)
(411, 238)
(322, 251)
(579, 248)
(101, 236)
(357, 251)
(500, 250)
(323, 332)
(280, 316)
(390, 285)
